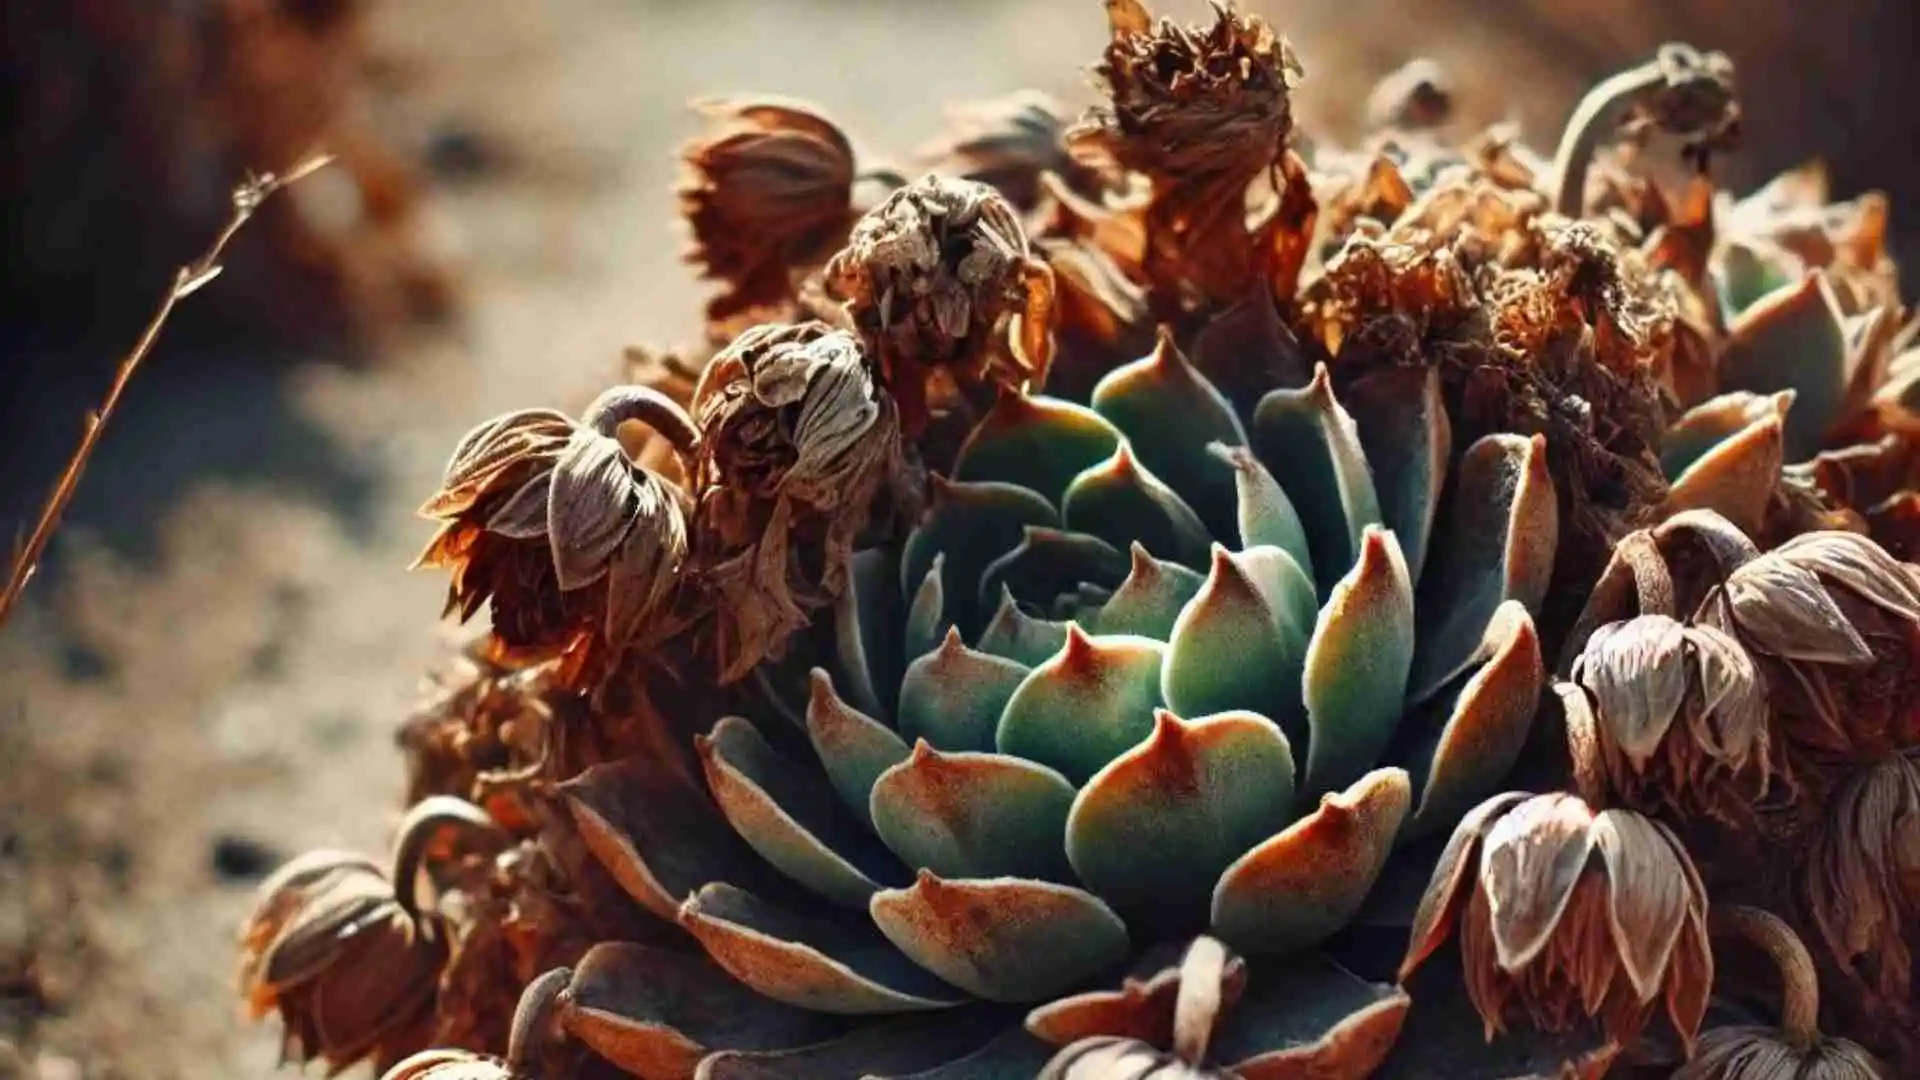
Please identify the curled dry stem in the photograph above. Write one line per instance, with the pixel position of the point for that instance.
(1799, 983)
(247, 200)
(652, 407)
(1689, 94)
(536, 1018)
(424, 824)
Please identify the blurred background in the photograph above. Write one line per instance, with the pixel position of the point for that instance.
(211, 667)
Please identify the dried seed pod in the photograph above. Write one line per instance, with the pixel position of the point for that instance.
(769, 196)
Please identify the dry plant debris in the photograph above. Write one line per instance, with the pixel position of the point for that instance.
(1157, 597)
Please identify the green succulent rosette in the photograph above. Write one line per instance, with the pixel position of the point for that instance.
(1144, 670)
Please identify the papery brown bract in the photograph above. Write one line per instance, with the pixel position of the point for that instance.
(934, 279)
(352, 975)
(1678, 718)
(1566, 914)
(769, 196)
(797, 440)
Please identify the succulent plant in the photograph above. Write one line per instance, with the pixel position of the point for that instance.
(1082, 615)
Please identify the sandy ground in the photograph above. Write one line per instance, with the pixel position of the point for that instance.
(212, 686)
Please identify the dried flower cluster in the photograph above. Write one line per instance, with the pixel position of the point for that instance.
(1147, 553)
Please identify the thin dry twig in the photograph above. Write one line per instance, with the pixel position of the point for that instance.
(248, 197)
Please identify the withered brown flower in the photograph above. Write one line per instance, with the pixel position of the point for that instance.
(1201, 111)
(1008, 143)
(1837, 620)
(1565, 914)
(933, 277)
(1673, 717)
(797, 439)
(552, 522)
(769, 196)
(349, 969)
(1863, 884)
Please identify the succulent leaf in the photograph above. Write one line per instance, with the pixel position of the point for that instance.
(927, 619)
(1236, 645)
(1501, 532)
(819, 964)
(1355, 676)
(1049, 562)
(658, 1012)
(1120, 502)
(790, 818)
(1486, 725)
(1304, 884)
(1149, 601)
(972, 524)
(653, 830)
(1265, 516)
(1169, 414)
(1171, 814)
(1039, 443)
(974, 815)
(1737, 476)
(1086, 705)
(1310, 445)
(1027, 640)
(1002, 939)
(895, 1050)
(1408, 439)
(1012, 1055)
(864, 615)
(1793, 338)
(853, 747)
(1311, 1018)
(953, 696)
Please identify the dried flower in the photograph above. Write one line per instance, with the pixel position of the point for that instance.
(552, 522)
(1008, 143)
(349, 970)
(1683, 91)
(1677, 718)
(796, 441)
(933, 277)
(769, 196)
(1201, 111)
(1863, 884)
(1565, 913)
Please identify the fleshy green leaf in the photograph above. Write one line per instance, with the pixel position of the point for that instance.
(953, 696)
(1355, 678)
(1499, 537)
(1311, 1018)
(854, 748)
(1003, 939)
(1149, 600)
(1310, 445)
(1120, 502)
(1037, 442)
(1793, 339)
(927, 620)
(1049, 562)
(654, 830)
(972, 525)
(974, 815)
(1746, 273)
(1486, 725)
(1306, 883)
(1025, 639)
(657, 1012)
(1169, 413)
(1151, 831)
(865, 614)
(1265, 515)
(792, 820)
(1013, 1055)
(1713, 422)
(1408, 439)
(827, 966)
(1233, 647)
(1085, 706)
(893, 1049)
